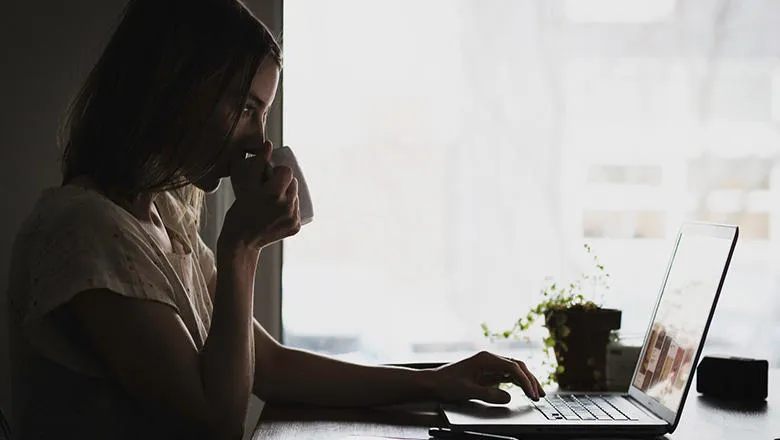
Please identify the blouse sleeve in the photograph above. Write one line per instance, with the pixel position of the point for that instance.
(90, 247)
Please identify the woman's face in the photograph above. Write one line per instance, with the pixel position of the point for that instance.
(249, 134)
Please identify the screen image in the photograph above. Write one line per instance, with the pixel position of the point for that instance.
(678, 325)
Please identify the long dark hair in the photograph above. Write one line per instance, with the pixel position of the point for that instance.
(135, 126)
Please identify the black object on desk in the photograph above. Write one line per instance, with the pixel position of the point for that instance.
(733, 378)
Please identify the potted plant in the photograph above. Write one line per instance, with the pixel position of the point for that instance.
(579, 329)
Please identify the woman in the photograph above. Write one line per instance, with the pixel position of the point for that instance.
(125, 324)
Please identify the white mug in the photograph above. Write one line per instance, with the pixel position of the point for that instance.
(284, 156)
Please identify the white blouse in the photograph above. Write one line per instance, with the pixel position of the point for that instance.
(74, 240)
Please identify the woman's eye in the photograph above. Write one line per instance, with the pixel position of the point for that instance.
(248, 111)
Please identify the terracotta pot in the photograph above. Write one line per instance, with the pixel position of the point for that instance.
(582, 350)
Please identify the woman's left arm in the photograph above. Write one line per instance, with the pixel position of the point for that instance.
(284, 374)
(301, 377)
(289, 375)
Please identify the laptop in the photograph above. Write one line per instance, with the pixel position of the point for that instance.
(664, 370)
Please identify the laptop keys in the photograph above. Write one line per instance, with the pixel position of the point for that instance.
(567, 413)
(579, 409)
(584, 407)
(624, 406)
(599, 414)
(561, 408)
(594, 409)
(583, 414)
(610, 410)
(549, 411)
(556, 409)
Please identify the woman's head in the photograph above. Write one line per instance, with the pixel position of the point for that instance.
(175, 89)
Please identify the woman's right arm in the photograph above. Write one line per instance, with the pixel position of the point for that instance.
(148, 350)
(146, 346)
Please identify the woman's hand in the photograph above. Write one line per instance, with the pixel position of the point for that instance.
(478, 377)
(266, 207)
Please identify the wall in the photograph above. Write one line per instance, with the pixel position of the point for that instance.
(47, 47)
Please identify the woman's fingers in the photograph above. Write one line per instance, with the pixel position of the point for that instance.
(539, 390)
(291, 194)
(281, 181)
(295, 208)
(252, 174)
(511, 371)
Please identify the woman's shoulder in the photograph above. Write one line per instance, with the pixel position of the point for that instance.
(71, 210)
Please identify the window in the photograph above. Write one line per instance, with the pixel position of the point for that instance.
(459, 151)
(618, 11)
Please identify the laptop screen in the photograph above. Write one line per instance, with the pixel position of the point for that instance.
(667, 359)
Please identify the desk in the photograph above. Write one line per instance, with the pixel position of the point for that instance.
(703, 418)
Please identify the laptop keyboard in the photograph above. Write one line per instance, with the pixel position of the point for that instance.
(586, 407)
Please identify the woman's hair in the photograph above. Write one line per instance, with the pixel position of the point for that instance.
(136, 125)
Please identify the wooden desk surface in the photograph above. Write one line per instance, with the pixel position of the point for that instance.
(703, 418)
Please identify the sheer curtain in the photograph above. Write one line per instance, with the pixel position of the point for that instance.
(460, 151)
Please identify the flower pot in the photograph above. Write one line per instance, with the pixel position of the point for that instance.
(581, 337)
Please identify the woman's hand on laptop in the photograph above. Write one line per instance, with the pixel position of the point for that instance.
(479, 376)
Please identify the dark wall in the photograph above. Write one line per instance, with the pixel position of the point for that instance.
(48, 47)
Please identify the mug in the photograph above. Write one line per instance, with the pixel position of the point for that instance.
(285, 156)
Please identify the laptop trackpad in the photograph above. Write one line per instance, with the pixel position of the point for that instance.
(478, 412)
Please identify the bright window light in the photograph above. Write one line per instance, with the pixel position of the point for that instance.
(618, 11)
(776, 95)
(459, 151)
